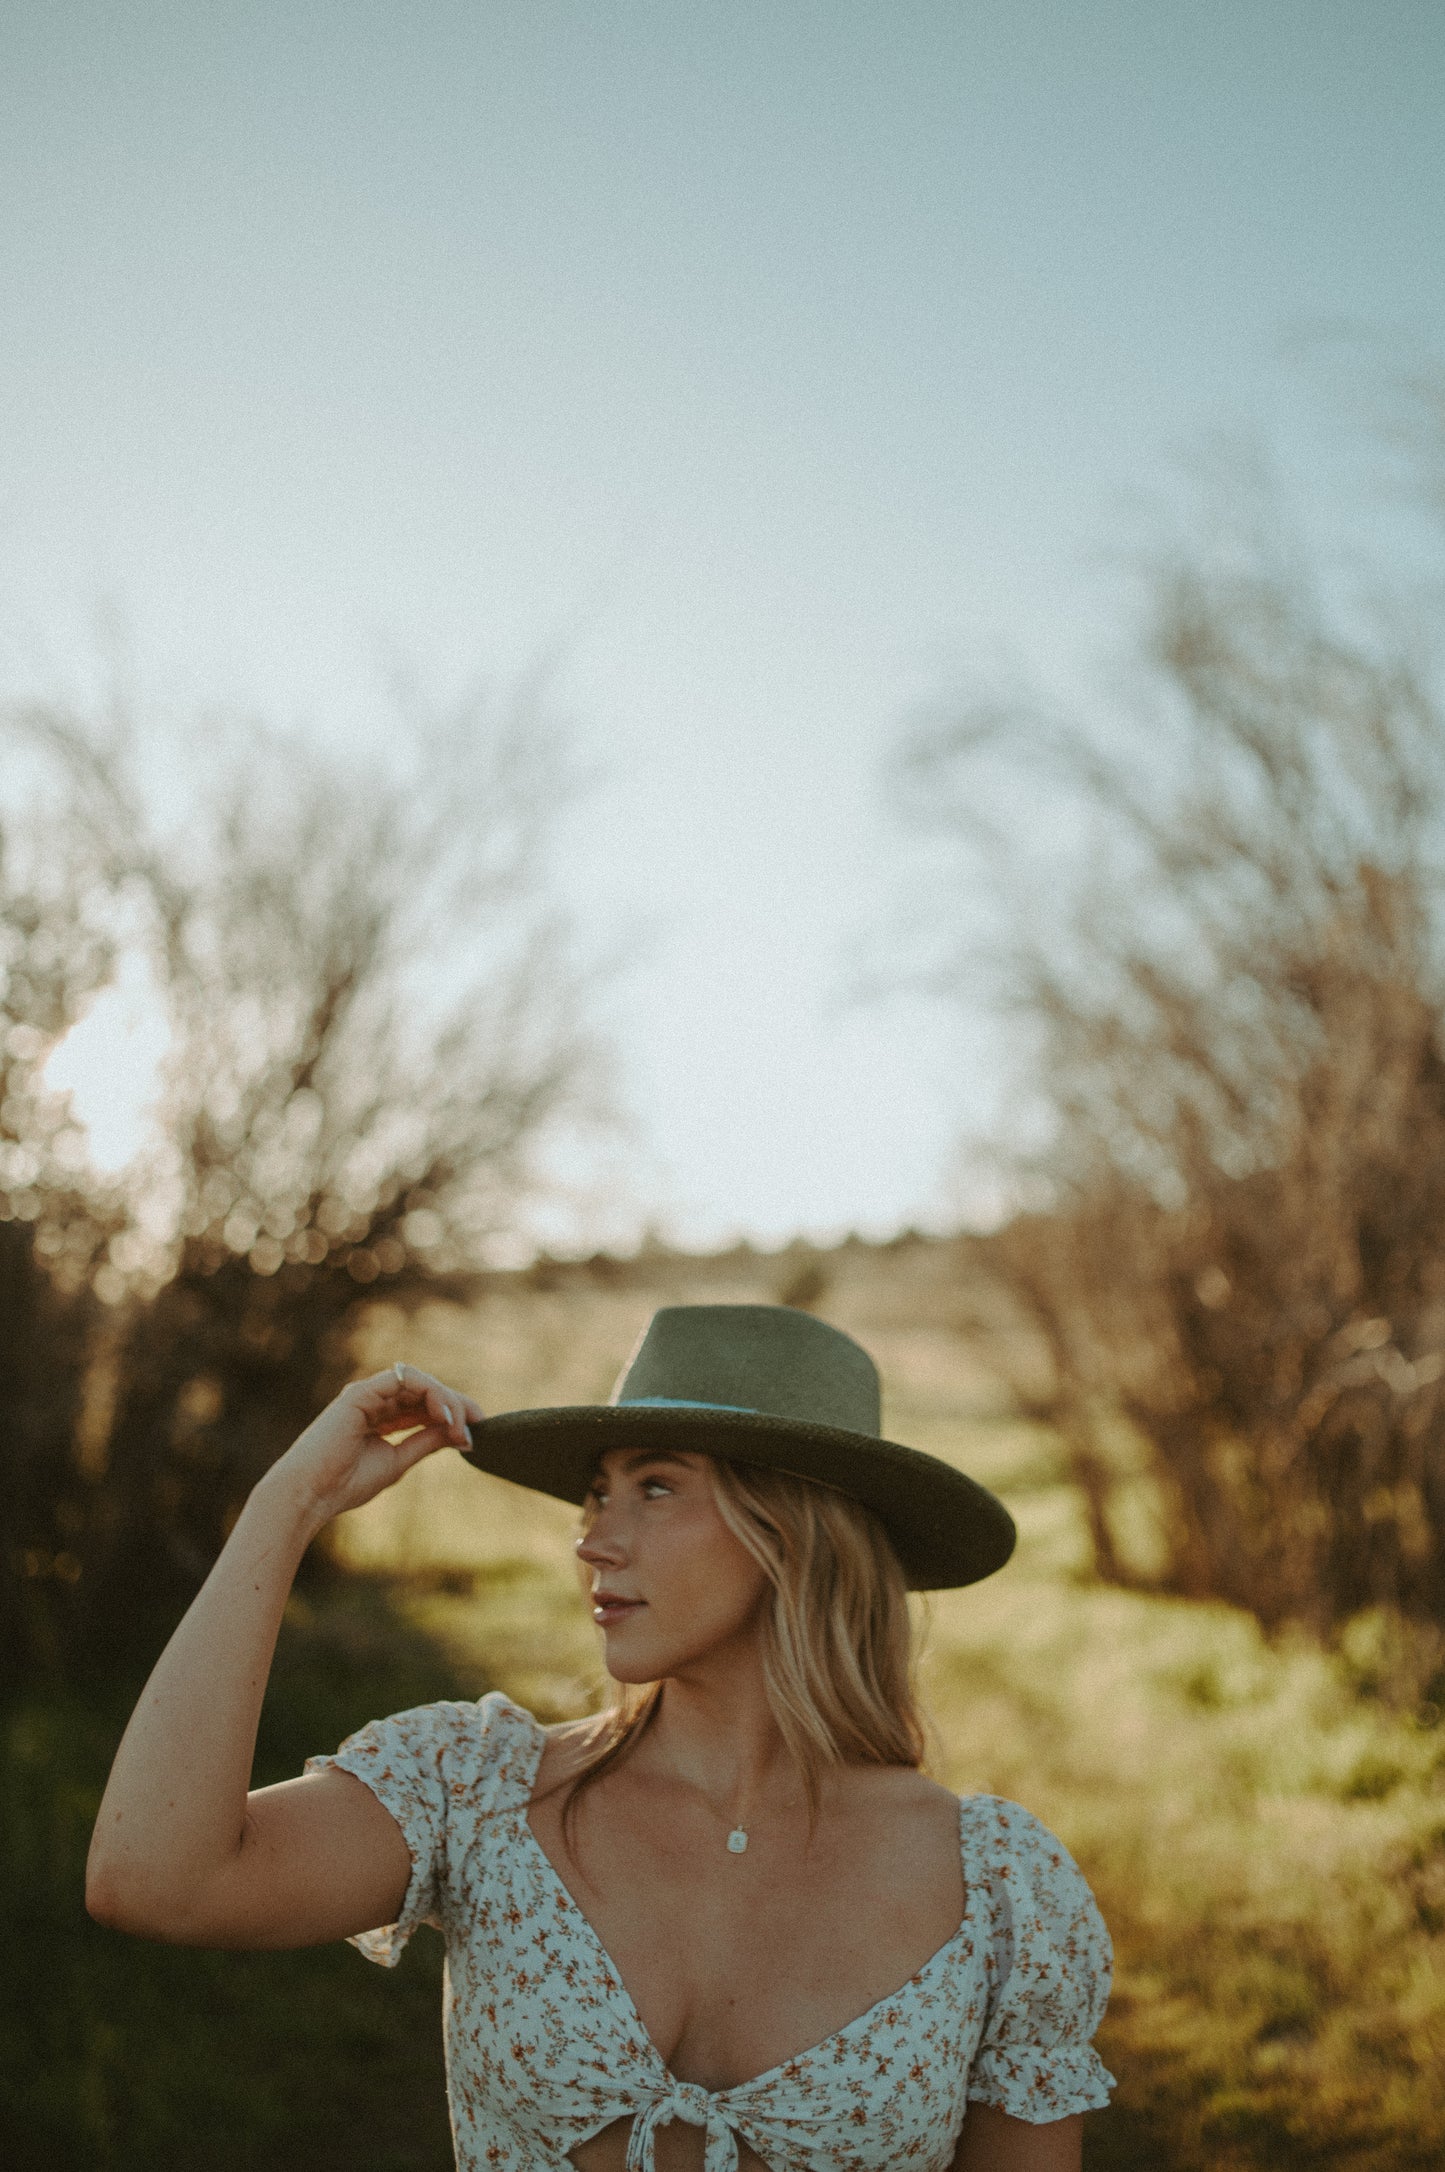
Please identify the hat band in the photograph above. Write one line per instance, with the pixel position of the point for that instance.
(681, 1402)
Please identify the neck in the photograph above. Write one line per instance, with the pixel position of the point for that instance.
(714, 1730)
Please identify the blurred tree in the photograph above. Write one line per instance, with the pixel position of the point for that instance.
(1231, 979)
(375, 1029)
(54, 1226)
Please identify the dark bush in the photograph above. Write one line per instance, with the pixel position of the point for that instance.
(374, 1031)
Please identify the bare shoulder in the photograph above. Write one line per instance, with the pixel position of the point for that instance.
(897, 1791)
(565, 1748)
(898, 1815)
(898, 1832)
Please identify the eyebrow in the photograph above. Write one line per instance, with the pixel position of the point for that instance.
(633, 1457)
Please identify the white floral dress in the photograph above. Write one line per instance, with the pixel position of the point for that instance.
(545, 2048)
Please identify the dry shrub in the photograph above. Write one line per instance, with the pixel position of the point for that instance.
(1233, 1267)
(375, 1028)
(55, 1223)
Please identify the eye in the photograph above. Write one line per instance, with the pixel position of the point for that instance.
(653, 1487)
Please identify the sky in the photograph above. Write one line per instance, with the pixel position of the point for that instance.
(775, 370)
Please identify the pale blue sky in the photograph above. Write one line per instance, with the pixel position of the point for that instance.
(783, 362)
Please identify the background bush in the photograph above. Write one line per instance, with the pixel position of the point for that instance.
(375, 1031)
(1231, 979)
(118, 2055)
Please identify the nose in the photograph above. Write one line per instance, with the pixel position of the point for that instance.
(600, 1545)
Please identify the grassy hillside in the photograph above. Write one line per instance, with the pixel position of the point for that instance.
(116, 2056)
(1266, 1838)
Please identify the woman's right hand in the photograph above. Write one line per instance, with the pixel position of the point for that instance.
(345, 1458)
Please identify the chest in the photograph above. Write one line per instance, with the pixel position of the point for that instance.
(735, 1963)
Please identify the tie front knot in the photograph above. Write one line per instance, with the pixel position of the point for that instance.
(695, 2107)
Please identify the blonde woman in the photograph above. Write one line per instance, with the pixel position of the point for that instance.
(730, 1925)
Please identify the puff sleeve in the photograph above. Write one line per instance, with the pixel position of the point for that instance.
(1049, 1969)
(411, 1763)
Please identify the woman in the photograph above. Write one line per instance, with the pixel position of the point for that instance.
(728, 1925)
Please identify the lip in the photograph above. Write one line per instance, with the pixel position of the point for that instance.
(608, 1609)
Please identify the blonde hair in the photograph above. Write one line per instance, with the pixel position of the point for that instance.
(837, 1638)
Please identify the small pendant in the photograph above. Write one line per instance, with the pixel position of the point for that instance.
(737, 1841)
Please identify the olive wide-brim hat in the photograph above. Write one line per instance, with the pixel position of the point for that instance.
(766, 1385)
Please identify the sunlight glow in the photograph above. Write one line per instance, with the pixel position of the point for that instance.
(110, 1063)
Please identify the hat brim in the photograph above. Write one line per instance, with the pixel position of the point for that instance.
(945, 1527)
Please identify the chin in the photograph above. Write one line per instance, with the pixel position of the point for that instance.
(636, 1659)
(640, 1659)
(632, 1673)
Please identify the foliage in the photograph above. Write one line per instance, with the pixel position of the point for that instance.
(374, 1028)
(1266, 1839)
(55, 1225)
(1266, 1836)
(1263, 1826)
(116, 2055)
(1234, 994)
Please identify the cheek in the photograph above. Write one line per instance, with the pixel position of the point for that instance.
(702, 1577)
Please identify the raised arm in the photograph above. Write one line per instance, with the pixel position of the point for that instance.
(181, 1851)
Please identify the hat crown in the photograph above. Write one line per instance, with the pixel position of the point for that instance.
(767, 1358)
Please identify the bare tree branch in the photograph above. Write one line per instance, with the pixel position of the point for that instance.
(377, 1024)
(1235, 997)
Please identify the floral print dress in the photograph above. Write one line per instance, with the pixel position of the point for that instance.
(545, 2048)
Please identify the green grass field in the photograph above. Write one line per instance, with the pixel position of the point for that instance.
(117, 2056)
(1266, 1837)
